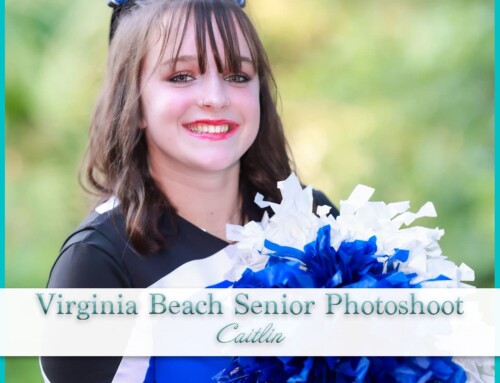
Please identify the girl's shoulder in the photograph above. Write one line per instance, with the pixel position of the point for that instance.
(99, 253)
(102, 229)
(93, 254)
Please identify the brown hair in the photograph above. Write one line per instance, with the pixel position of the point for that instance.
(117, 154)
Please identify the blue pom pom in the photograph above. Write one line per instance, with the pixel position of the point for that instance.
(319, 265)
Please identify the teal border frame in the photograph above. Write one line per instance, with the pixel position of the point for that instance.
(497, 163)
(2, 168)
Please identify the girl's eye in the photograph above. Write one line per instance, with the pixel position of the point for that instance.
(181, 78)
(238, 78)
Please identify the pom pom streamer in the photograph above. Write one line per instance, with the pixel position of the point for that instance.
(369, 245)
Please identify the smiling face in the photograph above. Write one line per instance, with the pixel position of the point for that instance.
(198, 120)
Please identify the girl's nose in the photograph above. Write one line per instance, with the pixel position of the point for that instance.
(213, 93)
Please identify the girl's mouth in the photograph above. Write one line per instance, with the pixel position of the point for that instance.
(211, 129)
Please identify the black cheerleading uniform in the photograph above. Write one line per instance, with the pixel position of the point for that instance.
(98, 255)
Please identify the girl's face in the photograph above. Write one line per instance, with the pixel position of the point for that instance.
(198, 122)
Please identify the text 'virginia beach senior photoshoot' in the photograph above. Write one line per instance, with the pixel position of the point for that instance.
(136, 131)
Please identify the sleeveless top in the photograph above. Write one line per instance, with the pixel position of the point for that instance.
(98, 254)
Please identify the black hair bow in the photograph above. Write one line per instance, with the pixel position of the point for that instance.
(120, 6)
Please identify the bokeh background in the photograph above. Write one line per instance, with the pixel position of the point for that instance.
(394, 94)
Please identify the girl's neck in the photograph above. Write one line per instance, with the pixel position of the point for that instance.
(207, 200)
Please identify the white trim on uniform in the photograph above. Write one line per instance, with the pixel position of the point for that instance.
(110, 204)
(197, 273)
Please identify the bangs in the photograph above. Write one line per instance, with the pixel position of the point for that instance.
(225, 17)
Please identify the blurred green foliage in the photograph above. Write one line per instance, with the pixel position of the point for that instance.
(394, 94)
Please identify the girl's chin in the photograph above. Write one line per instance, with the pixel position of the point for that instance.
(217, 165)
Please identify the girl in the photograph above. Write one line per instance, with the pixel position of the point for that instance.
(184, 134)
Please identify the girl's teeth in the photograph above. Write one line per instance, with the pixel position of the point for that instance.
(211, 129)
